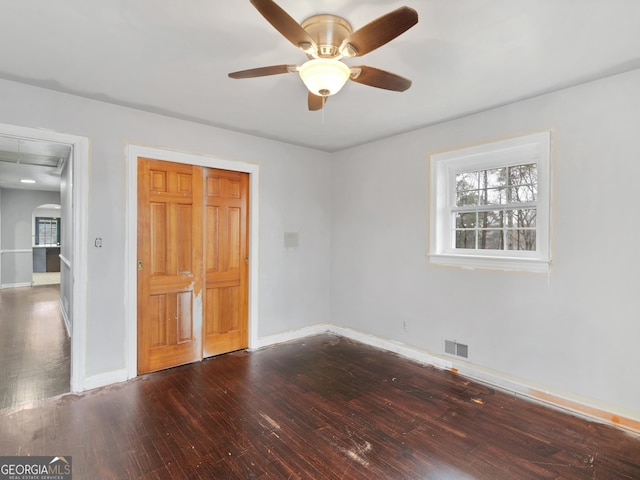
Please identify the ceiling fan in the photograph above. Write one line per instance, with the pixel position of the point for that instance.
(326, 40)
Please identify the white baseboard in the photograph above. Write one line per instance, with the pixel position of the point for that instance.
(358, 336)
(15, 285)
(104, 379)
(293, 335)
(559, 400)
(554, 399)
(421, 356)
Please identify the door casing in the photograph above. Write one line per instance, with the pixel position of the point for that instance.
(131, 236)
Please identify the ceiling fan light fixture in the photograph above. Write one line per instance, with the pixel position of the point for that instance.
(324, 76)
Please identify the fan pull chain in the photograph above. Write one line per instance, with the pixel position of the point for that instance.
(324, 100)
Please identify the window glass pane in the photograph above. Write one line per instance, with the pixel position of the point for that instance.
(521, 240)
(493, 196)
(526, 218)
(467, 181)
(523, 174)
(490, 240)
(493, 178)
(524, 193)
(465, 239)
(47, 231)
(491, 219)
(464, 198)
(466, 220)
(521, 218)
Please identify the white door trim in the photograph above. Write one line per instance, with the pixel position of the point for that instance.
(80, 213)
(131, 237)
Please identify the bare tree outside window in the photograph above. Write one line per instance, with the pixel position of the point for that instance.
(495, 208)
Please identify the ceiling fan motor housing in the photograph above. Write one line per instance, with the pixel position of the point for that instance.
(328, 31)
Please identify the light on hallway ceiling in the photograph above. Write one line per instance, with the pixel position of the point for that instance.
(324, 76)
(27, 180)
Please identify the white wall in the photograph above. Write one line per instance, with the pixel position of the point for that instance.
(295, 193)
(575, 331)
(17, 227)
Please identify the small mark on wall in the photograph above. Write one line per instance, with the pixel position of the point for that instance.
(291, 240)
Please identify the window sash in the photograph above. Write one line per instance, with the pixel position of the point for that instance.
(480, 233)
(47, 231)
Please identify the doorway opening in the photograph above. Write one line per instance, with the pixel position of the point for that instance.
(73, 187)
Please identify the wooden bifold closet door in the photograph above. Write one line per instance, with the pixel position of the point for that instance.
(192, 263)
(226, 261)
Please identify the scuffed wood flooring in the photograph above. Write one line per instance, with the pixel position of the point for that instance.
(320, 408)
(34, 346)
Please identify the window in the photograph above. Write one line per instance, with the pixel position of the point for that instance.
(490, 205)
(47, 231)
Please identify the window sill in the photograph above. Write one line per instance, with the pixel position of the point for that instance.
(473, 262)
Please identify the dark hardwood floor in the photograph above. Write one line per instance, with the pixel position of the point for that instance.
(34, 347)
(321, 408)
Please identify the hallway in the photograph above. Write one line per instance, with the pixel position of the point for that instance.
(34, 346)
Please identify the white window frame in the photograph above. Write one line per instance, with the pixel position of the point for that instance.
(534, 148)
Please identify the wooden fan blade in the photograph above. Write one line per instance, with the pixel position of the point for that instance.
(375, 77)
(382, 30)
(263, 71)
(283, 22)
(316, 102)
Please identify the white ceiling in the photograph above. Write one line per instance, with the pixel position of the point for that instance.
(171, 57)
(31, 160)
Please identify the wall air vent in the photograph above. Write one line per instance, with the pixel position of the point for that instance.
(454, 348)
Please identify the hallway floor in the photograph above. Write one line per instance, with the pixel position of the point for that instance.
(46, 278)
(34, 346)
